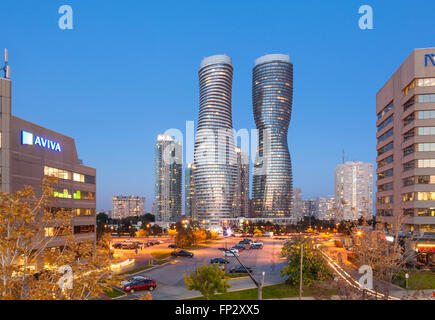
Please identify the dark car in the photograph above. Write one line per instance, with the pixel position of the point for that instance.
(173, 246)
(240, 246)
(256, 246)
(150, 243)
(222, 249)
(240, 270)
(117, 245)
(246, 241)
(182, 253)
(219, 261)
(139, 283)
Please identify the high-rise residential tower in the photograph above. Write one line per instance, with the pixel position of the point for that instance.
(214, 156)
(297, 205)
(354, 190)
(272, 94)
(168, 174)
(405, 108)
(241, 199)
(190, 204)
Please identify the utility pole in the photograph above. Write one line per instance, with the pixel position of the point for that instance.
(258, 284)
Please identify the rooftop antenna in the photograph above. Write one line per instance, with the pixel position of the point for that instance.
(343, 156)
(6, 69)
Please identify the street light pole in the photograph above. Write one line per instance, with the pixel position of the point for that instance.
(300, 273)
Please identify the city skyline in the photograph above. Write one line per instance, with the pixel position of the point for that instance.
(83, 85)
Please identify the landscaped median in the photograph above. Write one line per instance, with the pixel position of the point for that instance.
(111, 294)
(275, 291)
(418, 280)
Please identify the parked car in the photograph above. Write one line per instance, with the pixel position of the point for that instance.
(222, 249)
(139, 283)
(240, 246)
(246, 241)
(231, 253)
(158, 242)
(117, 245)
(172, 246)
(257, 246)
(182, 253)
(219, 261)
(240, 270)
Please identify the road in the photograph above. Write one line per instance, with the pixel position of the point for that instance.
(169, 278)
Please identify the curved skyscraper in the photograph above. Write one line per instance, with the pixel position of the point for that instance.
(215, 159)
(272, 94)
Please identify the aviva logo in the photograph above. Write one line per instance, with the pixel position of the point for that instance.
(429, 58)
(29, 138)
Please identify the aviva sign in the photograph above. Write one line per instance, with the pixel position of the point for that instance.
(29, 138)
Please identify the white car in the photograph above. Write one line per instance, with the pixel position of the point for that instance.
(231, 253)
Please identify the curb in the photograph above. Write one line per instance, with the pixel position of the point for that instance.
(146, 270)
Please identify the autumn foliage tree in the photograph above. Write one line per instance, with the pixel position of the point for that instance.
(29, 259)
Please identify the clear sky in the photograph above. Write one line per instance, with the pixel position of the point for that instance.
(128, 71)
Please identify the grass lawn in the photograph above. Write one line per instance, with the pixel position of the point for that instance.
(113, 293)
(269, 292)
(236, 275)
(161, 254)
(422, 280)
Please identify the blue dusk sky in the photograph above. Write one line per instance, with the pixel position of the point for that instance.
(128, 70)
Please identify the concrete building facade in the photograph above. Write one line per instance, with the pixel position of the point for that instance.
(127, 206)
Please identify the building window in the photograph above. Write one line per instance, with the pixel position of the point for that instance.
(426, 212)
(385, 161)
(409, 165)
(84, 229)
(49, 232)
(408, 196)
(408, 181)
(386, 110)
(426, 131)
(426, 163)
(385, 148)
(426, 147)
(408, 151)
(427, 114)
(385, 174)
(386, 135)
(409, 104)
(426, 98)
(384, 200)
(78, 177)
(385, 187)
(385, 123)
(64, 194)
(408, 119)
(425, 196)
(408, 135)
(408, 211)
(425, 179)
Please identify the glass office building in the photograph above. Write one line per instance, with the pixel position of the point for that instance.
(272, 94)
(215, 158)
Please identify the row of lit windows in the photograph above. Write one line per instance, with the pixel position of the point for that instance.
(427, 82)
(58, 231)
(426, 147)
(419, 196)
(419, 180)
(426, 163)
(74, 211)
(77, 195)
(426, 131)
(384, 200)
(68, 175)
